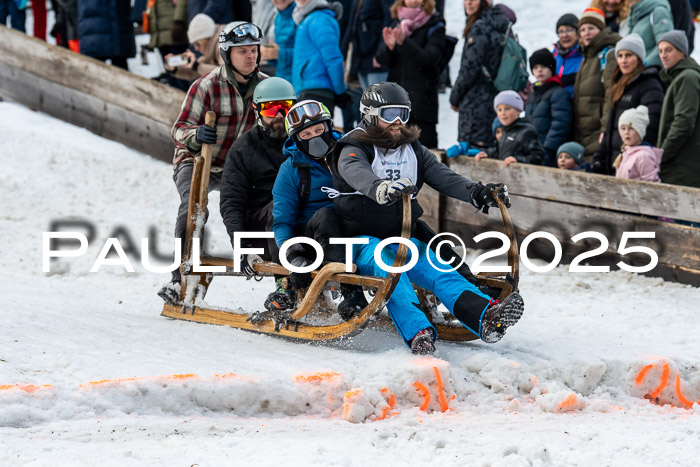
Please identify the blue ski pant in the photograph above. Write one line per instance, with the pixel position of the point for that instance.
(461, 297)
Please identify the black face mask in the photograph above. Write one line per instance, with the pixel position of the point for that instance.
(318, 146)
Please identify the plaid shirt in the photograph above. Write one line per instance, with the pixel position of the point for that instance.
(234, 115)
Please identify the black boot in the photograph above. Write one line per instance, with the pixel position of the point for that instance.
(500, 316)
(423, 343)
(353, 301)
(170, 293)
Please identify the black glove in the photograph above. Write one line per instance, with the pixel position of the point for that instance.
(247, 262)
(482, 198)
(597, 167)
(299, 280)
(389, 191)
(206, 134)
(343, 100)
(178, 31)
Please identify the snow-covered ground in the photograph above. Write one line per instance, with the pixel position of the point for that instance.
(90, 373)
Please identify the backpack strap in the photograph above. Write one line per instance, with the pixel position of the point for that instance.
(304, 182)
(435, 27)
(603, 57)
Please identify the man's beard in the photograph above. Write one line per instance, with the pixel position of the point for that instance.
(384, 138)
(276, 131)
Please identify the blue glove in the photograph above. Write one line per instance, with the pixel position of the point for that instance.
(473, 152)
(457, 150)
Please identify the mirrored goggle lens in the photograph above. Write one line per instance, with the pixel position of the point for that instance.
(239, 33)
(308, 111)
(271, 109)
(390, 114)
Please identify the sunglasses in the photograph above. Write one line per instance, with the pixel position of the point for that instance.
(308, 111)
(390, 114)
(271, 109)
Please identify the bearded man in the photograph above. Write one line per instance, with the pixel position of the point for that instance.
(251, 167)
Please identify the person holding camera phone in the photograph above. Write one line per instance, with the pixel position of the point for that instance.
(203, 34)
(227, 91)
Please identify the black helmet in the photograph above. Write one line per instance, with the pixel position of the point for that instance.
(382, 95)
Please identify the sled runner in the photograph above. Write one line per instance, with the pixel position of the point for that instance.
(311, 319)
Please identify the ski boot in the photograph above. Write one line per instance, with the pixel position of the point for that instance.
(281, 299)
(353, 301)
(170, 293)
(423, 342)
(500, 316)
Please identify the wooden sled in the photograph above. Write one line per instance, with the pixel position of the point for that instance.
(297, 323)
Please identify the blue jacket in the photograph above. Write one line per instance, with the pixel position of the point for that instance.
(288, 216)
(105, 29)
(550, 108)
(567, 66)
(318, 63)
(285, 29)
(221, 11)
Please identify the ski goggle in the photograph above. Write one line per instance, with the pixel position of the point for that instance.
(307, 111)
(390, 114)
(241, 33)
(271, 109)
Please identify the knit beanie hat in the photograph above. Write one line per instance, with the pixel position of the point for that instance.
(573, 149)
(510, 98)
(637, 118)
(593, 16)
(634, 43)
(676, 38)
(201, 27)
(545, 58)
(567, 20)
(496, 125)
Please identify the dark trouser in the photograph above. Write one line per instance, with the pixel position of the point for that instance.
(172, 81)
(325, 96)
(322, 226)
(261, 221)
(183, 180)
(17, 17)
(428, 133)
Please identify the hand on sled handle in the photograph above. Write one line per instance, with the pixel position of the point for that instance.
(206, 134)
(483, 198)
(390, 190)
(247, 262)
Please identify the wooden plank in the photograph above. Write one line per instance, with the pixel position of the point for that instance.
(677, 246)
(578, 188)
(110, 84)
(81, 109)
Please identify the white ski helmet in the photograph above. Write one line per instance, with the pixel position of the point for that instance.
(237, 34)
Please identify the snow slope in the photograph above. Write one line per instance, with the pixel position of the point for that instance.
(559, 389)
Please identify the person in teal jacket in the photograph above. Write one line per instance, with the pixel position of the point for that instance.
(650, 19)
(282, 51)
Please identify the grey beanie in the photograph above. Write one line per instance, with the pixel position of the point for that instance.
(574, 149)
(634, 43)
(676, 38)
(510, 98)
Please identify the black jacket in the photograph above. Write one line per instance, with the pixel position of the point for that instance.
(645, 89)
(413, 65)
(472, 92)
(249, 173)
(364, 31)
(521, 141)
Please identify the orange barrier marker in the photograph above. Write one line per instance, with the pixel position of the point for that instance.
(317, 377)
(425, 394)
(30, 388)
(391, 401)
(441, 394)
(642, 374)
(686, 402)
(664, 381)
(570, 402)
(392, 398)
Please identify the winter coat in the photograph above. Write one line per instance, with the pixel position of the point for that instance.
(249, 173)
(640, 162)
(413, 65)
(679, 130)
(550, 108)
(160, 20)
(365, 32)
(317, 61)
(361, 214)
(288, 213)
(285, 30)
(683, 20)
(645, 89)
(473, 92)
(651, 19)
(216, 91)
(221, 11)
(210, 59)
(519, 140)
(591, 108)
(568, 64)
(106, 31)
